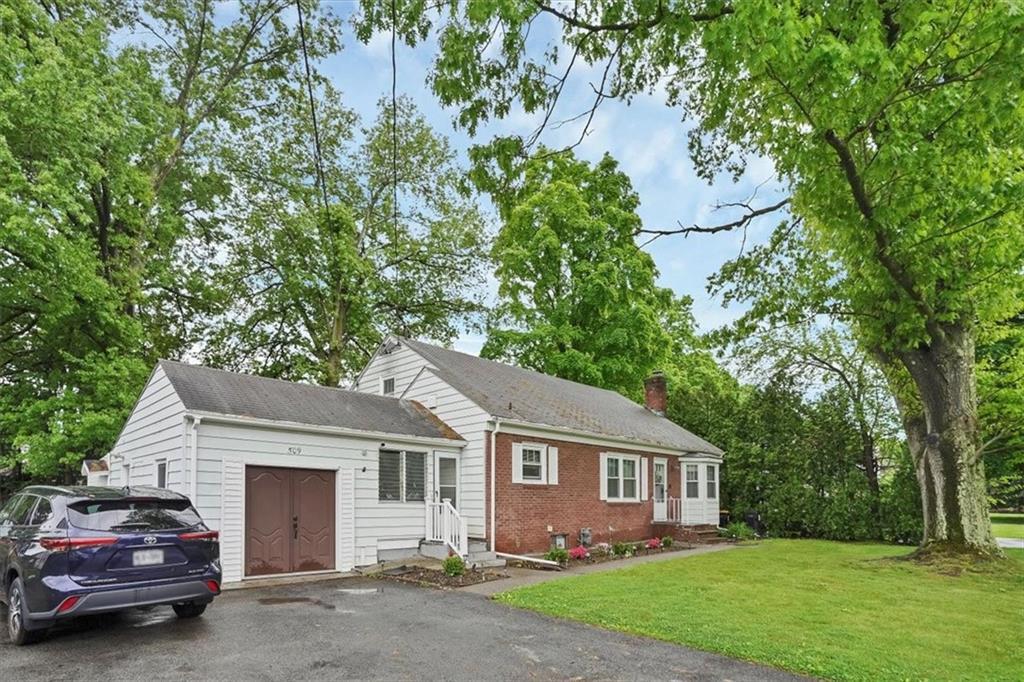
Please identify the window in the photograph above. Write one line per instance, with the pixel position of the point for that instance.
(623, 477)
(534, 463)
(42, 513)
(533, 467)
(387, 386)
(659, 480)
(138, 515)
(692, 484)
(19, 509)
(160, 477)
(712, 481)
(402, 476)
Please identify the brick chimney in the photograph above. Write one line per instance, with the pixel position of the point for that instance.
(656, 393)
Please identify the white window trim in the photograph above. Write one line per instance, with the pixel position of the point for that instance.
(394, 384)
(716, 481)
(156, 473)
(686, 481)
(640, 478)
(517, 463)
(401, 478)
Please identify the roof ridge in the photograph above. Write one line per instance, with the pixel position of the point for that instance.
(518, 368)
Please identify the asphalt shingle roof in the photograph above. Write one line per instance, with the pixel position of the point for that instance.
(244, 395)
(511, 392)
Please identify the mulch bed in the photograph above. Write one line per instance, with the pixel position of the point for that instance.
(433, 577)
(605, 558)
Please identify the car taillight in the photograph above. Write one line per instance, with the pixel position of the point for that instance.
(213, 586)
(68, 604)
(207, 535)
(68, 544)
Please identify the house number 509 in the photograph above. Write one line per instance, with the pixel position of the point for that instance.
(295, 451)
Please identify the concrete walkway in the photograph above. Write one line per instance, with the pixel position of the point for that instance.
(521, 577)
(1011, 543)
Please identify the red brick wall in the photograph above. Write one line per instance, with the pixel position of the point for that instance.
(525, 510)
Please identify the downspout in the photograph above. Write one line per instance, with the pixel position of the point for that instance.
(494, 442)
(194, 479)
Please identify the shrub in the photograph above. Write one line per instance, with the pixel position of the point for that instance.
(667, 541)
(738, 531)
(622, 549)
(579, 553)
(557, 554)
(601, 549)
(654, 543)
(453, 566)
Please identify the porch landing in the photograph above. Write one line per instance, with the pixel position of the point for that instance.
(703, 534)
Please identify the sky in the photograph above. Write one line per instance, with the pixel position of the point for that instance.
(647, 137)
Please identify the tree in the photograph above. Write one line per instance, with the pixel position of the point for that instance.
(896, 127)
(315, 292)
(577, 298)
(110, 199)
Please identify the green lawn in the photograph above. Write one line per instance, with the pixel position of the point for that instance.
(834, 610)
(1008, 525)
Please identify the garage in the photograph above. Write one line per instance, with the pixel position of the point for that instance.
(289, 520)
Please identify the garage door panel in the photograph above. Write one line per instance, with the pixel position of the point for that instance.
(290, 520)
(267, 512)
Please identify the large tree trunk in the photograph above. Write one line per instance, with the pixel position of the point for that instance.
(944, 441)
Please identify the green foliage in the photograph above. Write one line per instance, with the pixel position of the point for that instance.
(577, 299)
(111, 188)
(557, 554)
(314, 294)
(453, 566)
(622, 549)
(737, 530)
(667, 541)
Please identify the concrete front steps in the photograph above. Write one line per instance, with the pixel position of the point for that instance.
(479, 555)
(701, 534)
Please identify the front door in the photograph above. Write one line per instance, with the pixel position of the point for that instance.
(446, 478)
(660, 491)
(289, 520)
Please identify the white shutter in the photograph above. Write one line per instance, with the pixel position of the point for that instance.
(552, 466)
(643, 478)
(517, 463)
(604, 476)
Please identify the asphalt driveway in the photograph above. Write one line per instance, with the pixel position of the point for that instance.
(356, 629)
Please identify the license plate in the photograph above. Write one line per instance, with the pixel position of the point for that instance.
(147, 557)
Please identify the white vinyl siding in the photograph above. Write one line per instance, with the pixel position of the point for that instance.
(153, 432)
(415, 380)
(364, 523)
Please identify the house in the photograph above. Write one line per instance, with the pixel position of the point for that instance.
(300, 478)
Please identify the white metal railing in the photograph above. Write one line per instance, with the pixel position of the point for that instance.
(445, 524)
(673, 510)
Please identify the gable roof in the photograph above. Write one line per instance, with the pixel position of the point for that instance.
(205, 389)
(509, 392)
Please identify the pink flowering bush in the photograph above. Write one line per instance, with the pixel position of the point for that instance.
(654, 543)
(579, 553)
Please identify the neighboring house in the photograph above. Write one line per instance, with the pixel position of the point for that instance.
(301, 478)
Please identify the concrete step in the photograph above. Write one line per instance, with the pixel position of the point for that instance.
(479, 555)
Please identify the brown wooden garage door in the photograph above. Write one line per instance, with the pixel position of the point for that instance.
(289, 520)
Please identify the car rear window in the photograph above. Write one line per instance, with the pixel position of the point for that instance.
(133, 515)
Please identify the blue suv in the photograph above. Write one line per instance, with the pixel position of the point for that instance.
(73, 551)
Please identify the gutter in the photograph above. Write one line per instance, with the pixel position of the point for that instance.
(493, 477)
(333, 430)
(194, 479)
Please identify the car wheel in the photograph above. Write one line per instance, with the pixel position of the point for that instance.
(16, 610)
(189, 610)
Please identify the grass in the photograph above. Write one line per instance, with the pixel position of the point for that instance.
(835, 610)
(1008, 525)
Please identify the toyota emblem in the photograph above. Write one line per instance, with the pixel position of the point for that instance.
(150, 540)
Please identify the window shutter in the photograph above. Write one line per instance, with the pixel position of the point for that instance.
(517, 463)
(552, 466)
(604, 476)
(643, 478)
